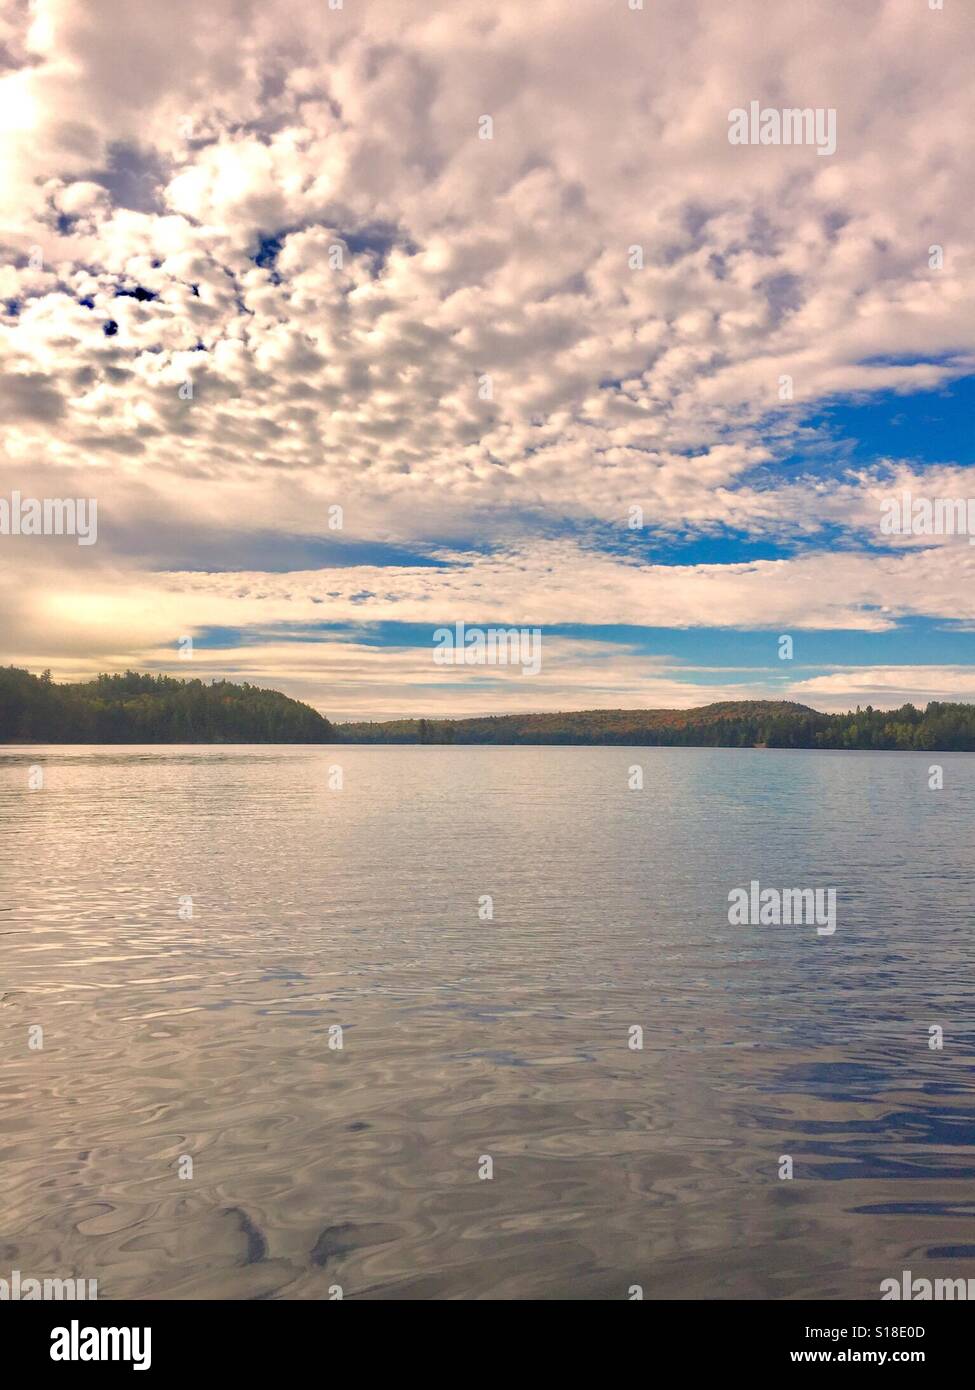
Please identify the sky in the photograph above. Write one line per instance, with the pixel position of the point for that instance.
(359, 321)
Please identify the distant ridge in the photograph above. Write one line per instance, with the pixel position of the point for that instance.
(725, 724)
(570, 726)
(138, 708)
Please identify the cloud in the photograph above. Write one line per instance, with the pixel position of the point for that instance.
(885, 686)
(328, 290)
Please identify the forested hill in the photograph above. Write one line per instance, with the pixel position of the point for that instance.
(729, 724)
(160, 709)
(151, 709)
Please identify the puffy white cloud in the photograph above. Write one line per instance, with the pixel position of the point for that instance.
(289, 209)
(885, 686)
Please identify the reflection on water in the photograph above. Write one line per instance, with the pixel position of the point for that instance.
(209, 1036)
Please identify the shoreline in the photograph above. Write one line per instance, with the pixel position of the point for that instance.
(470, 743)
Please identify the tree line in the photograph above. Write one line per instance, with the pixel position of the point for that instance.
(729, 724)
(134, 708)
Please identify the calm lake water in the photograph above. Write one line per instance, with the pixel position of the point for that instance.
(168, 1037)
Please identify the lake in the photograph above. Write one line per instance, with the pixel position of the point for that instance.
(383, 1038)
